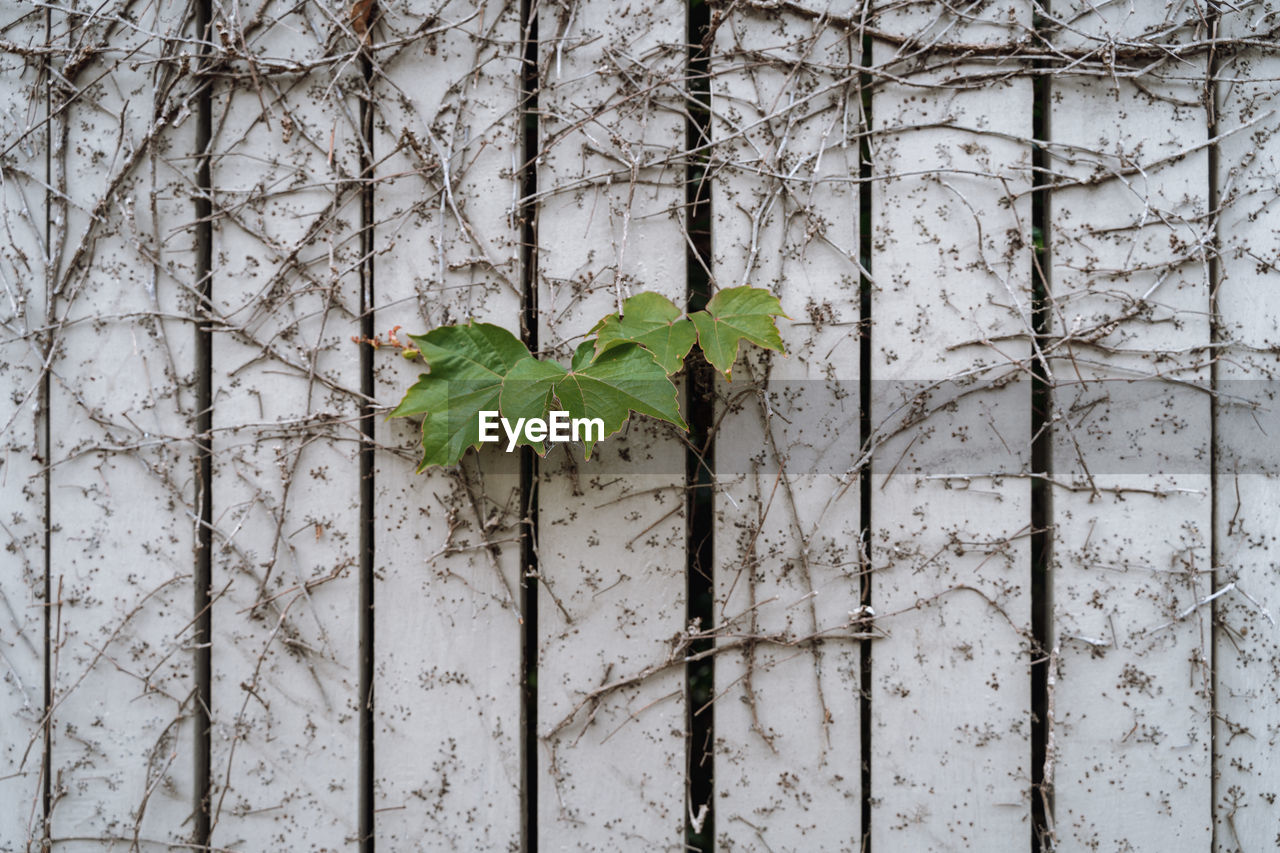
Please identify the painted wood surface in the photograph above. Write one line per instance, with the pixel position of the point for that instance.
(611, 532)
(447, 670)
(120, 414)
(285, 486)
(1164, 638)
(786, 211)
(1129, 283)
(23, 278)
(1247, 485)
(950, 509)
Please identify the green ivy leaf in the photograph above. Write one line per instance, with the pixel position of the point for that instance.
(624, 379)
(733, 315)
(652, 321)
(584, 354)
(468, 364)
(625, 368)
(528, 391)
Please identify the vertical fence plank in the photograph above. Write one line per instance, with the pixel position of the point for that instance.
(285, 489)
(785, 217)
(121, 409)
(950, 501)
(1131, 530)
(448, 632)
(1247, 486)
(24, 141)
(611, 533)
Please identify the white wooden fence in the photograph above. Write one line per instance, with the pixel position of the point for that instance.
(989, 561)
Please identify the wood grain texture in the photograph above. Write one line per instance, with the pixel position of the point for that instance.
(950, 502)
(448, 628)
(285, 485)
(120, 411)
(23, 280)
(1247, 488)
(1129, 285)
(785, 217)
(611, 532)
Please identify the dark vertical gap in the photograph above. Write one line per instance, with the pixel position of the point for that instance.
(700, 831)
(204, 428)
(1041, 458)
(1215, 336)
(528, 218)
(46, 791)
(864, 422)
(367, 494)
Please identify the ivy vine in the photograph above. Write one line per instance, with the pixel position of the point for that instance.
(625, 365)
